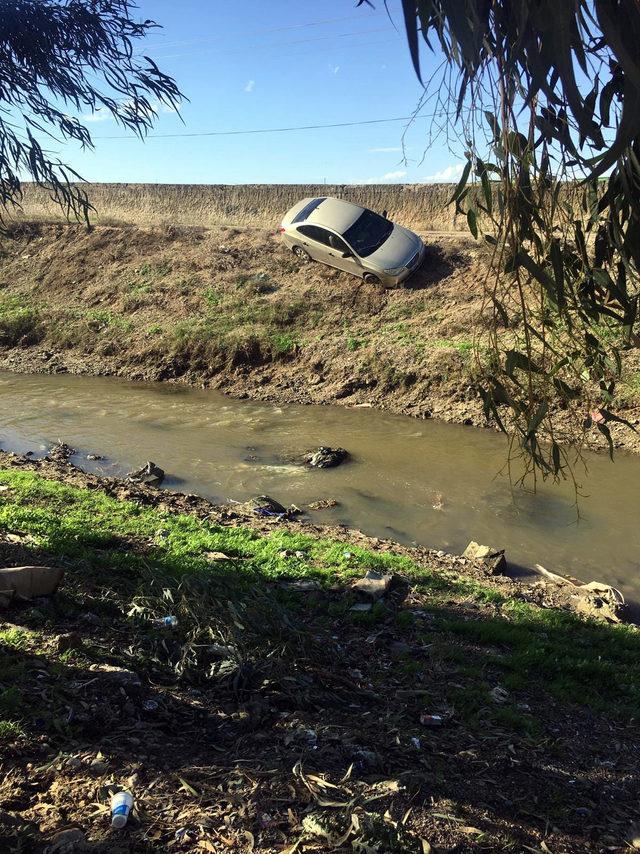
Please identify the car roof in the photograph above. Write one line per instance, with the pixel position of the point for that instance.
(336, 214)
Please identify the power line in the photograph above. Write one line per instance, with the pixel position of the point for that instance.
(209, 40)
(262, 45)
(275, 130)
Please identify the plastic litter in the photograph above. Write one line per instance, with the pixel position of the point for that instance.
(121, 806)
(431, 720)
(169, 622)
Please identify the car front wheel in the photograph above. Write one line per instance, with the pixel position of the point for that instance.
(301, 254)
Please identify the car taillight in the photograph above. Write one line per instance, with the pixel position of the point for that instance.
(281, 230)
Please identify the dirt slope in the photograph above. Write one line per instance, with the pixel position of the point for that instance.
(235, 310)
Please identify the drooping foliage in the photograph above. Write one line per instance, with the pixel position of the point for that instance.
(545, 96)
(62, 56)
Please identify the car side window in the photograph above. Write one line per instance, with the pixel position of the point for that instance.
(338, 243)
(314, 232)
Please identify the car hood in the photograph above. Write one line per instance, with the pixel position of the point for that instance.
(397, 250)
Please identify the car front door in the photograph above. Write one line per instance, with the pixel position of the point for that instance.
(342, 257)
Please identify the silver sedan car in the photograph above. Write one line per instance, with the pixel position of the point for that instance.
(352, 238)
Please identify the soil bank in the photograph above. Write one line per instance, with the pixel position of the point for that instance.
(233, 309)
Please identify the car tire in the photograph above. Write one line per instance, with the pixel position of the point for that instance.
(370, 279)
(301, 254)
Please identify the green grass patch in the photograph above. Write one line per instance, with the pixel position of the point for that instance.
(125, 545)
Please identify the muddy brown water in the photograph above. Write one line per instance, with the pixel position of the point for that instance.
(428, 482)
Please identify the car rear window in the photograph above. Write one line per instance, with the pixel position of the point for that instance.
(308, 209)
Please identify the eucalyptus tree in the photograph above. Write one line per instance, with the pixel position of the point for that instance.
(545, 98)
(69, 56)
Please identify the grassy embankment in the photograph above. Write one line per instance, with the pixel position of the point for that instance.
(237, 310)
(269, 663)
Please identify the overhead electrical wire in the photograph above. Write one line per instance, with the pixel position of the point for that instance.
(188, 134)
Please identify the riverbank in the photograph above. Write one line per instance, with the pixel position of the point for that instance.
(275, 714)
(232, 309)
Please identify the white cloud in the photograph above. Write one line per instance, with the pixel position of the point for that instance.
(449, 173)
(99, 115)
(251, 85)
(335, 68)
(385, 149)
(383, 179)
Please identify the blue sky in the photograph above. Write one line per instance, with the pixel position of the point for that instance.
(251, 65)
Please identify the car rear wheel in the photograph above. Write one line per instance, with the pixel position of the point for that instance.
(301, 254)
(370, 279)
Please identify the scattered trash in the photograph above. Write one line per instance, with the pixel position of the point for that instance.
(301, 585)
(594, 599)
(150, 706)
(29, 582)
(431, 720)
(169, 622)
(95, 457)
(361, 607)
(324, 458)
(374, 584)
(347, 555)
(499, 694)
(121, 806)
(150, 474)
(416, 743)
(493, 559)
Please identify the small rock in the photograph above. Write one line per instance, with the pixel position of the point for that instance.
(323, 504)
(324, 458)
(150, 474)
(361, 607)
(61, 452)
(374, 584)
(94, 457)
(98, 766)
(499, 694)
(71, 640)
(118, 676)
(67, 841)
(264, 505)
(493, 559)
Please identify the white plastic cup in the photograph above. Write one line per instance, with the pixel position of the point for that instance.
(121, 806)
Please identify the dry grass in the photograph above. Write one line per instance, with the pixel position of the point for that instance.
(262, 205)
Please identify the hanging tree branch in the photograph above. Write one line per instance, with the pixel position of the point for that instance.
(550, 96)
(61, 55)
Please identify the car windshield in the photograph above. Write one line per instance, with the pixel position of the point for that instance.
(368, 233)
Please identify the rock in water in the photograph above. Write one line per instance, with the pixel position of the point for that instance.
(493, 559)
(61, 452)
(150, 474)
(325, 458)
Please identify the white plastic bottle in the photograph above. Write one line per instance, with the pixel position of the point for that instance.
(121, 806)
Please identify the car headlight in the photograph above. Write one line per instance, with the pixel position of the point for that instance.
(395, 271)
